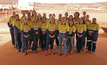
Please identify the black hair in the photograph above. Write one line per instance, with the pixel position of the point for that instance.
(77, 13)
(72, 21)
(17, 15)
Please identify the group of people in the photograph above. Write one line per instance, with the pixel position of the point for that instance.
(42, 31)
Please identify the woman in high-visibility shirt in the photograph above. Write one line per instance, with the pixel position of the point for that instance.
(80, 33)
(76, 18)
(40, 33)
(17, 33)
(33, 14)
(43, 33)
(25, 32)
(92, 36)
(63, 29)
(72, 30)
(51, 32)
(58, 22)
(35, 31)
(23, 16)
(10, 25)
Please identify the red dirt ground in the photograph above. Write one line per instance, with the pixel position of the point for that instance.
(8, 56)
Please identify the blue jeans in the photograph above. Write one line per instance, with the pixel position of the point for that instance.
(35, 41)
(24, 43)
(70, 41)
(17, 37)
(12, 35)
(61, 37)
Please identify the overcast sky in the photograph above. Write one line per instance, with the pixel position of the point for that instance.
(68, 1)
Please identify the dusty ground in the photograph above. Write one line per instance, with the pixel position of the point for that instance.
(8, 55)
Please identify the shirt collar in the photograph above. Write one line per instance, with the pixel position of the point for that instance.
(25, 24)
(64, 23)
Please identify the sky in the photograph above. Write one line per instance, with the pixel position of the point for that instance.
(68, 1)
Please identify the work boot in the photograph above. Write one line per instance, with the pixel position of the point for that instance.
(59, 54)
(83, 48)
(71, 51)
(46, 52)
(51, 52)
(65, 55)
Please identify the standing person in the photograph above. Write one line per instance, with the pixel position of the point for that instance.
(29, 21)
(72, 30)
(76, 18)
(92, 36)
(33, 14)
(58, 22)
(10, 25)
(84, 13)
(35, 31)
(62, 36)
(81, 30)
(25, 32)
(17, 33)
(51, 32)
(40, 33)
(44, 15)
(66, 16)
(23, 16)
(43, 33)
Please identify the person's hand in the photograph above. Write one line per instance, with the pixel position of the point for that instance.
(58, 38)
(64, 39)
(69, 36)
(89, 33)
(19, 31)
(50, 36)
(53, 36)
(36, 32)
(25, 36)
(80, 35)
(10, 27)
(43, 32)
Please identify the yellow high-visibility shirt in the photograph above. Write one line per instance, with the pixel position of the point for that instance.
(11, 19)
(34, 25)
(51, 27)
(63, 28)
(22, 18)
(67, 21)
(17, 23)
(93, 27)
(29, 21)
(43, 27)
(76, 21)
(58, 22)
(72, 29)
(80, 28)
(47, 20)
(87, 22)
(32, 17)
(25, 27)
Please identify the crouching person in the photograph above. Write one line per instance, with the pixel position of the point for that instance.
(25, 31)
(51, 32)
(92, 36)
(17, 33)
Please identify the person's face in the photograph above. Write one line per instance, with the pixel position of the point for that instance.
(44, 15)
(84, 13)
(35, 19)
(60, 16)
(24, 14)
(29, 16)
(50, 15)
(43, 20)
(87, 17)
(17, 17)
(34, 13)
(66, 15)
(39, 16)
(14, 13)
(71, 22)
(76, 15)
(52, 19)
(94, 20)
(63, 20)
(70, 17)
(81, 21)
(25, 20)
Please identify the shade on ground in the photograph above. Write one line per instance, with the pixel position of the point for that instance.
(8, 56)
